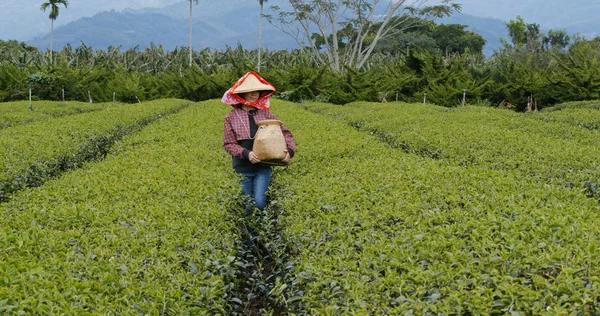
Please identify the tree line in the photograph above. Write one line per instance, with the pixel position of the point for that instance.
(439, 63)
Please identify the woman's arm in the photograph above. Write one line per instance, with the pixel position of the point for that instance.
(230, 142)
(289, 140)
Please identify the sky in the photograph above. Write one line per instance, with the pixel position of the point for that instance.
(22, 19)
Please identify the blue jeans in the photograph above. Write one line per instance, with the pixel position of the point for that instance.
(256, 184)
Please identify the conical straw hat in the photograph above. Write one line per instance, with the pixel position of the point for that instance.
(253, 83)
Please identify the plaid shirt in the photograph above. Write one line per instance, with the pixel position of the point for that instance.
(237, 128)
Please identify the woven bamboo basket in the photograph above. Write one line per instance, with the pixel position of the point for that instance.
(269, 143)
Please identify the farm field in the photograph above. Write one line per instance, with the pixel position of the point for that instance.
(583, 117)
(140, 231)
(551, 146)
(16, 113)
(32, 153)
(386, 209)
(381, 230)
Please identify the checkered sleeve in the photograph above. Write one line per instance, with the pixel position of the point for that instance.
(229, 140)
(289, 140)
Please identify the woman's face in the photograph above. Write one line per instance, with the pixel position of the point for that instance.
(251, 96)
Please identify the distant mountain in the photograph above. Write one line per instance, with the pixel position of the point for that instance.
(23, 20)
(126, 29)
(579, 16)
(212, 27)
(218, 24)
(574, 16)
(489, 17)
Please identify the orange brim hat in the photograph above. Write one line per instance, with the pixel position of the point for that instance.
(250, 81)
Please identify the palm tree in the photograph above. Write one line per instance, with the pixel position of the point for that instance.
(191, 30)
(260, 31)
(53, 5)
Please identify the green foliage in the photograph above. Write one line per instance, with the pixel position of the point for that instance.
(435, 39)
(582, 114)
(453, 38)
(595, 104)
(403, 42)
(518, 79)
(54, 8)
(128, 86)
(13, 83)
(306, 83)
(382, 231)
(347, 31)
(530, 37)
(446, 79)
(517, 31)
(389, 208)
(195, 84)
(515, 74)
(36, 152)
(18, 113)
(577, 76)
(528, 146)
(139, 232)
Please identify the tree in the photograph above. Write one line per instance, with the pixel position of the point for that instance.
(534, 37)
(358, 24)
(261, 2)
(191, 50)
(530, 37)
(516, 31)
(419, 35)
(452, 38)
(577, 76)
(53, 5)
(556, 39)
(527, 68)
(445, 79)
(516, 79)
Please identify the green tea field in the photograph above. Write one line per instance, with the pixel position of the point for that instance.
(386, 209)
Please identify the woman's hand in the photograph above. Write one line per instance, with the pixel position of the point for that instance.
(287, 157)
(253, 158)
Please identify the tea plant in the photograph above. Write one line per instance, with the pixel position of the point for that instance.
(582, 117)
(385, 209)
(17, 113)
(145, 231)
(380, 231)
(552, 152)
(36, 152)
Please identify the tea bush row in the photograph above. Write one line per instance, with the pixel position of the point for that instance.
(551, 151)
(35, 152)
(582, 117)
(145, 231)
(380, 231)
(17, 113)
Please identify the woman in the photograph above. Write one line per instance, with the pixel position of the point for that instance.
(249, 97)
